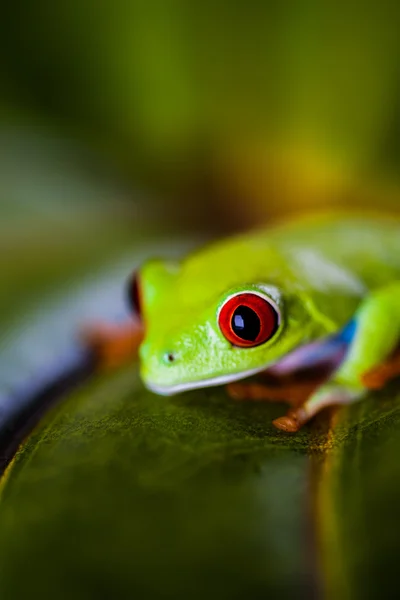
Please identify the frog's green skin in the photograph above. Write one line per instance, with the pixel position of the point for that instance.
(321, 272)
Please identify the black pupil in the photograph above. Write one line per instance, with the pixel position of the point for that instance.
(246, 323)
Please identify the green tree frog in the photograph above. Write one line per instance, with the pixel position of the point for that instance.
(321, 290)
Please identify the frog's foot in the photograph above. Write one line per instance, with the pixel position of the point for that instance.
(292, 421)
(329, 394)
(113, 344)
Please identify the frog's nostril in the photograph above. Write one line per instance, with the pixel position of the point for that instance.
(169, 357)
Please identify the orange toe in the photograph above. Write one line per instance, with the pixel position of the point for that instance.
(287, 423)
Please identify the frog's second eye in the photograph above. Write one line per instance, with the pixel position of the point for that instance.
(248, 319)
(134, 295)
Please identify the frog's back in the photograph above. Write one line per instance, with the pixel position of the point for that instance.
(334, 258)
(365, 246)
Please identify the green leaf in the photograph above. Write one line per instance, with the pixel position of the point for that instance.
(357, 499)
(122, 492)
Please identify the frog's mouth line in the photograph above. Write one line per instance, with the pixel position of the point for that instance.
(327, 352)
(170, 390)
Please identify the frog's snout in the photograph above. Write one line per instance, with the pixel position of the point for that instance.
(165, 356)
(163, 371)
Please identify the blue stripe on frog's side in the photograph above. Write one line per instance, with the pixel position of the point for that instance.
(334, 344)
(330, 350)
(346, 335)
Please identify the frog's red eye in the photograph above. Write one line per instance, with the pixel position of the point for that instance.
(134, 294)
(248, 319)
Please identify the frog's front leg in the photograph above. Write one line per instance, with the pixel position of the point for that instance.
(113, 345)
(376, 336)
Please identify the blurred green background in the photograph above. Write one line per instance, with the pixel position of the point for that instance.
(225, 114)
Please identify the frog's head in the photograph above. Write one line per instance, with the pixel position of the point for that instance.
(213, 319)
